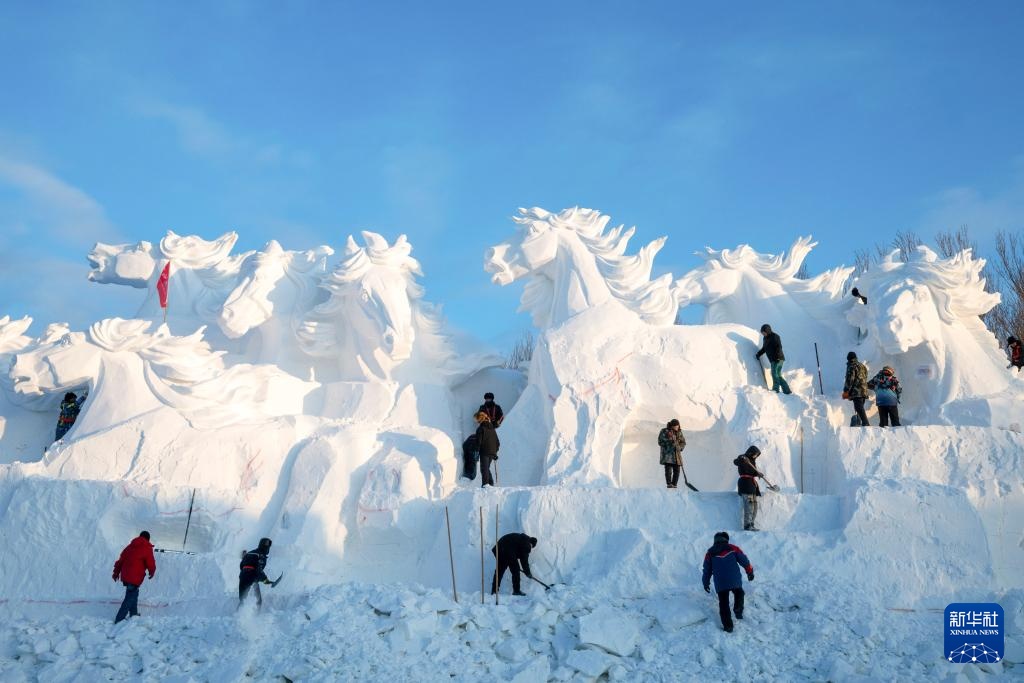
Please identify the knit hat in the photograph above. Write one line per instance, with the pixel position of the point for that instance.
(753, 451)
(673, 422)
(265, 544)
(888, 370)
(488, 396)
(721, 537)
(851, 356)
(144, 534)
(533, 541)
(766, 328)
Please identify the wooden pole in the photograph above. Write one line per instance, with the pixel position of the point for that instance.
(189, 521)
(451, 557)
(482, 555)
(801, 482)
(817, 358)
(497, 559)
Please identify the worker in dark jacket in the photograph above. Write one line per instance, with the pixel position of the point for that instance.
(672, 442)
(887, 396)
(252, 571)
(487, 442)
(855, 386)
(1013, 347)
(130, 569)
(470, 454)
(512, 552)
(747, 486)
(772, 348)
(70, 407)
(493, 410)
(723, 561)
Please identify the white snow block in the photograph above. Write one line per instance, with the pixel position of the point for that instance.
(513, 649)
(610, 630)
(590, 662)
(537, 671)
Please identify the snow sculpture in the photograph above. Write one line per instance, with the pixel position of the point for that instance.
(923, 318)
(122, 264)
(609, 366)
(24, 431)
(203, 273)
(375, 323)
(573, 264)
(749, 288)
(12, 335)
(129, 371)
(276, 288)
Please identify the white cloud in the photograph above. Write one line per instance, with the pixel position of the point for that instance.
(201, 135)
(983, 212)
(197, 132)
(44, 204)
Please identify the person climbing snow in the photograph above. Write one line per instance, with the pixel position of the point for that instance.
(887, 396)
(1016, 352)
(856, 293)
(772, 348)
(723, 561)
(488, 443)
(672, 443)
(855, 388)
(512, 553)
(493, 410)
(252, 571)
(70, 407)
(747, 486)
(470, 456)
(130, 569)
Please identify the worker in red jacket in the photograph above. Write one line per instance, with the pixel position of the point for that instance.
(130, 569)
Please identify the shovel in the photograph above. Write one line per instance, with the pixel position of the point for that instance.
(546, 586)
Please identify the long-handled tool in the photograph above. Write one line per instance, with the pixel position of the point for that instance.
(168, 550)
(687, 481)
(771, 486)
(547, 587)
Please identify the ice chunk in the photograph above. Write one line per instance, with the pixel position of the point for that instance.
(590, 662)
(610, 630)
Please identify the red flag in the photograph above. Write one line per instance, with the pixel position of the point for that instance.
(161, 284)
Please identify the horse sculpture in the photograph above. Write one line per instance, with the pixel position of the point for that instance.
(276, 289)
(923, 318)
(202, 275)
(375, 323)
(129, 371)
(745, 287)
(574, 264)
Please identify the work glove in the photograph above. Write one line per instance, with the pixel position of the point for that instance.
(494, 457)
(707, 589)
(750, 576)
(846, 395)
(114, 576)
(267, 581)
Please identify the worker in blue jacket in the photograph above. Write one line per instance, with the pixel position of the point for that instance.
(723, 562)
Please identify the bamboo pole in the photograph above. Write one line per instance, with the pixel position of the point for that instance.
(482, 593)
(801, 458)
(497, 559)
(188, 523)
(451, 557)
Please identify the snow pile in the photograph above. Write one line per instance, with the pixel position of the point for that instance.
(320, 400)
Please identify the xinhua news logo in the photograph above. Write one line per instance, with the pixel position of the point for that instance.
(974, 633)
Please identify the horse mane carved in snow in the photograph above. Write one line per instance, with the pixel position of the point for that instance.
(131, 370)
(574, 263)
(375, 322)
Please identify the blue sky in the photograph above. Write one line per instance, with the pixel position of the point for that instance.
(712, 123)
